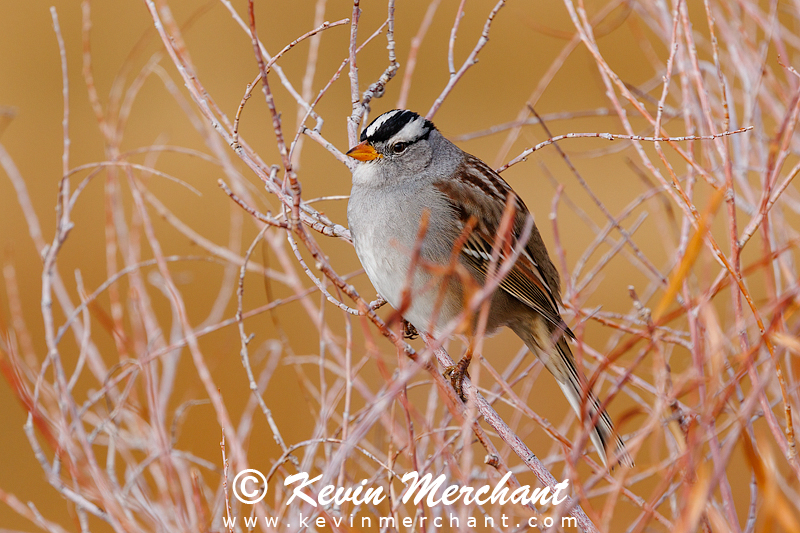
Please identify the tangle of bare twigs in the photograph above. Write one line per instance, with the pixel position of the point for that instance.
(705, 356)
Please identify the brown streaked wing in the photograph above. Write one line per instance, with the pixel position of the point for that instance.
(477, 184)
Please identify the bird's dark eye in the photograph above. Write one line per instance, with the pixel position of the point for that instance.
(399, 148)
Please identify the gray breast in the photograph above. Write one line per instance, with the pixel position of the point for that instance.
(385, 225)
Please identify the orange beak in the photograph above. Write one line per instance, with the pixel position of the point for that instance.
(363, 152)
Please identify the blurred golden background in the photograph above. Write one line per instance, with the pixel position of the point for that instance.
(527, 43)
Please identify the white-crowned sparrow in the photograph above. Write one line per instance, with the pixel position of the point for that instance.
(406, 169)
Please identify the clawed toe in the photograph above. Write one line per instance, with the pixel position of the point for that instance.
(409, 331)
(456, 374)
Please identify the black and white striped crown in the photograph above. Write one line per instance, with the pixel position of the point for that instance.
(391, 123)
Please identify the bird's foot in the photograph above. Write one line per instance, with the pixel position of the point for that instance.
(456, 374)
(409, 331)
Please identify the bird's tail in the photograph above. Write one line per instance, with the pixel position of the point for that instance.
(604, 436)
(561, 363)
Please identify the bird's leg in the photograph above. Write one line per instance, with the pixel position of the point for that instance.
(409, 331)
(458, 371)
